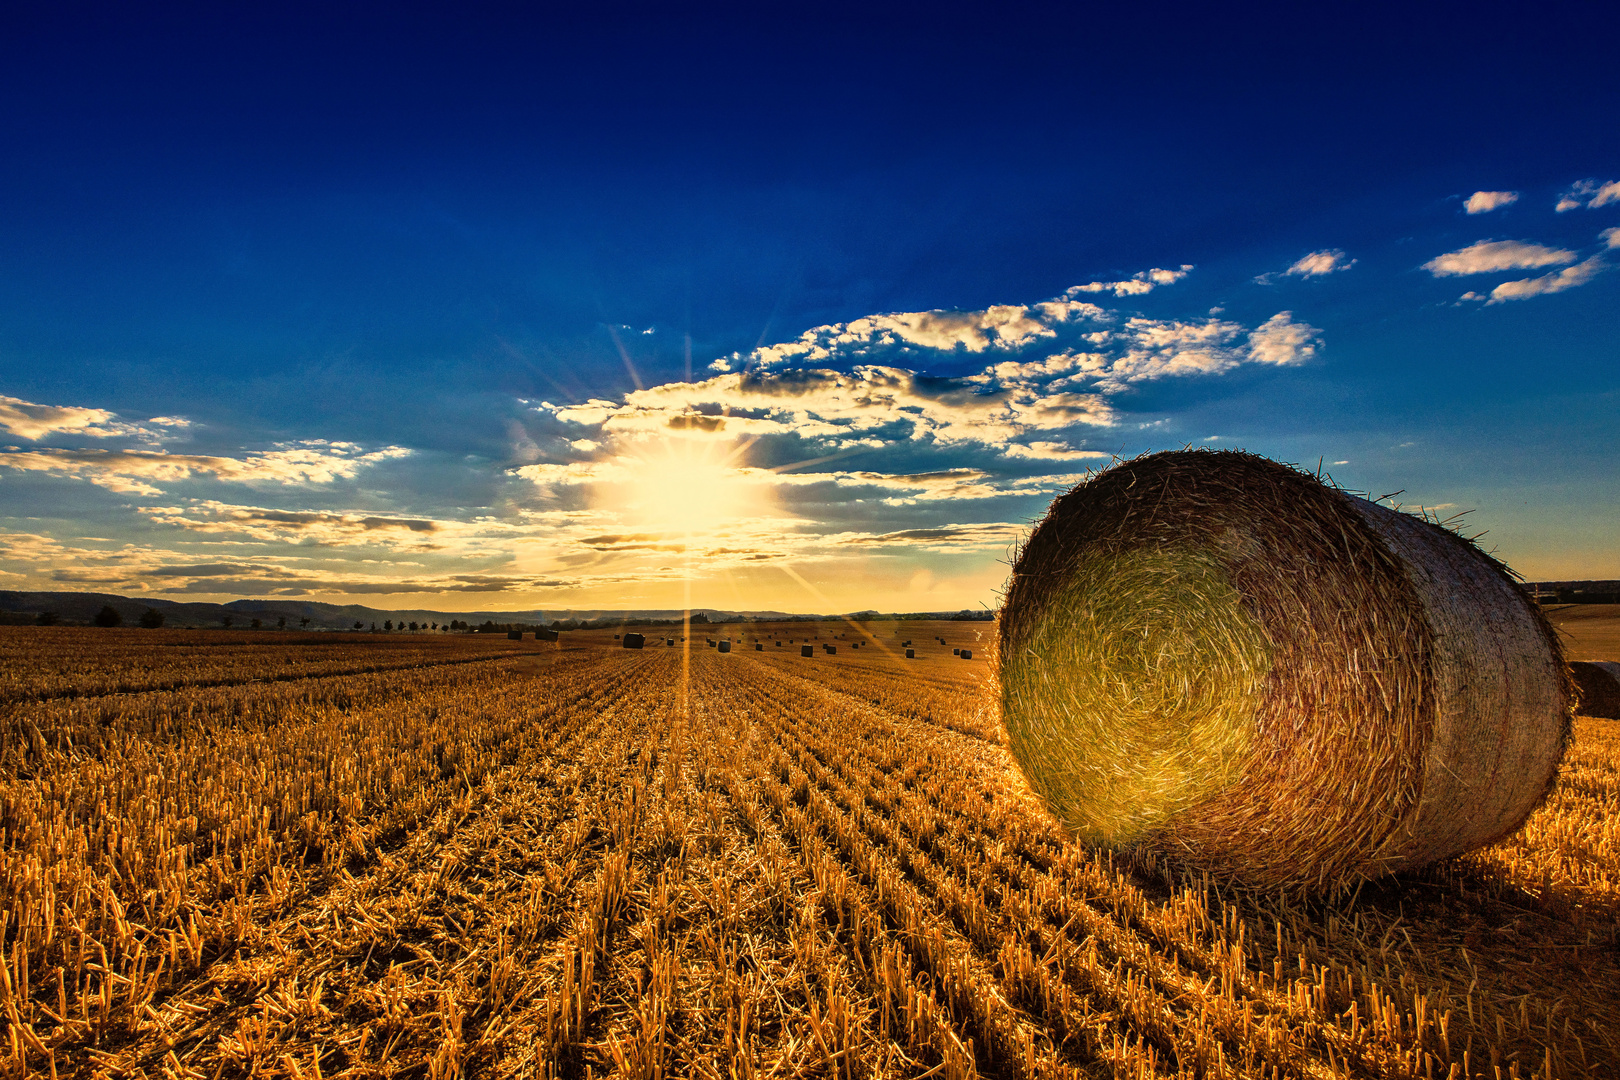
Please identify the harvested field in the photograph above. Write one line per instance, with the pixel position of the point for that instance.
(1588, 631)
(442, 857)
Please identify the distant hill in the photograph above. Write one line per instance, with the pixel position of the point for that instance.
(78, 607)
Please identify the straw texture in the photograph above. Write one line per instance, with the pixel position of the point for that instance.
(1320, 689)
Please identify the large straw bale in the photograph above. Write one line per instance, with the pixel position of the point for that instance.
(1208, 654)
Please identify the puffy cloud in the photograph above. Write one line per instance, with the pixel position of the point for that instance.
(1159, 349)
(31, 421)
(829, 404)
(1557, 282)
(1490, 255)
(1003, 327)
(1051, 451)
(1590, 194)
(1318, 263)
(1483, 202)
(1611, 237)
(1137, 284)
(138, 472)
(1006, 326)
(999, 327)
(1281, 341)
(549, 474)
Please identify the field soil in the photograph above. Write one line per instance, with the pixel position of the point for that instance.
(1588, 631)
(360, 855)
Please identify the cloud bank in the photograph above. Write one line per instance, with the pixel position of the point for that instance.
(140, 472)
(1044, 368)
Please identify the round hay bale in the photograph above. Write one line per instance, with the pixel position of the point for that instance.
(1209, 654)
(1598, 685)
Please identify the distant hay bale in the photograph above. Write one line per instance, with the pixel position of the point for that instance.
(669, 642)
(514, 635)
(634, 641)
(759, 646)
(911, 654)
(725, 646)
(1598, 685)
(831, 649)
(1217, 656)
(807, 650)
(966, 654)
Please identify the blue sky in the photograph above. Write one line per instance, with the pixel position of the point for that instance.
(812, 311)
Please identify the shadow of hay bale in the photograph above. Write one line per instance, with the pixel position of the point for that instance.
(1598, 685)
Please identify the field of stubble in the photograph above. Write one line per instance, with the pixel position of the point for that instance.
(375, 855)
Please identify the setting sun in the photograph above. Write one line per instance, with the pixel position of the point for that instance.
(684, 490)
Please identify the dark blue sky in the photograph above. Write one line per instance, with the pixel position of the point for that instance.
(405, 229)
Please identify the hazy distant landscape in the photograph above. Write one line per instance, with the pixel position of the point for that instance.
(80, 609)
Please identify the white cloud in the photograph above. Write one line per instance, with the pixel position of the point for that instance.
(1590, 194)
(1491, 255)
(1051, 451)
(1483, 202)
(1282, 341)
(26, 420)
(1611, 237)
(1557, 282)
(31, 421)
(828, 404)
(862, 383)
(1004, 327)
(1137, 284)
(1317, 263)
(138, 472)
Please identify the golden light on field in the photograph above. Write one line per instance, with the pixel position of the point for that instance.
(605, 836)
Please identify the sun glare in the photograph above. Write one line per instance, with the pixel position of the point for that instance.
(682, 491)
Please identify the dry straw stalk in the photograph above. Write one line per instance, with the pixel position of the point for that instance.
(1215, 656)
